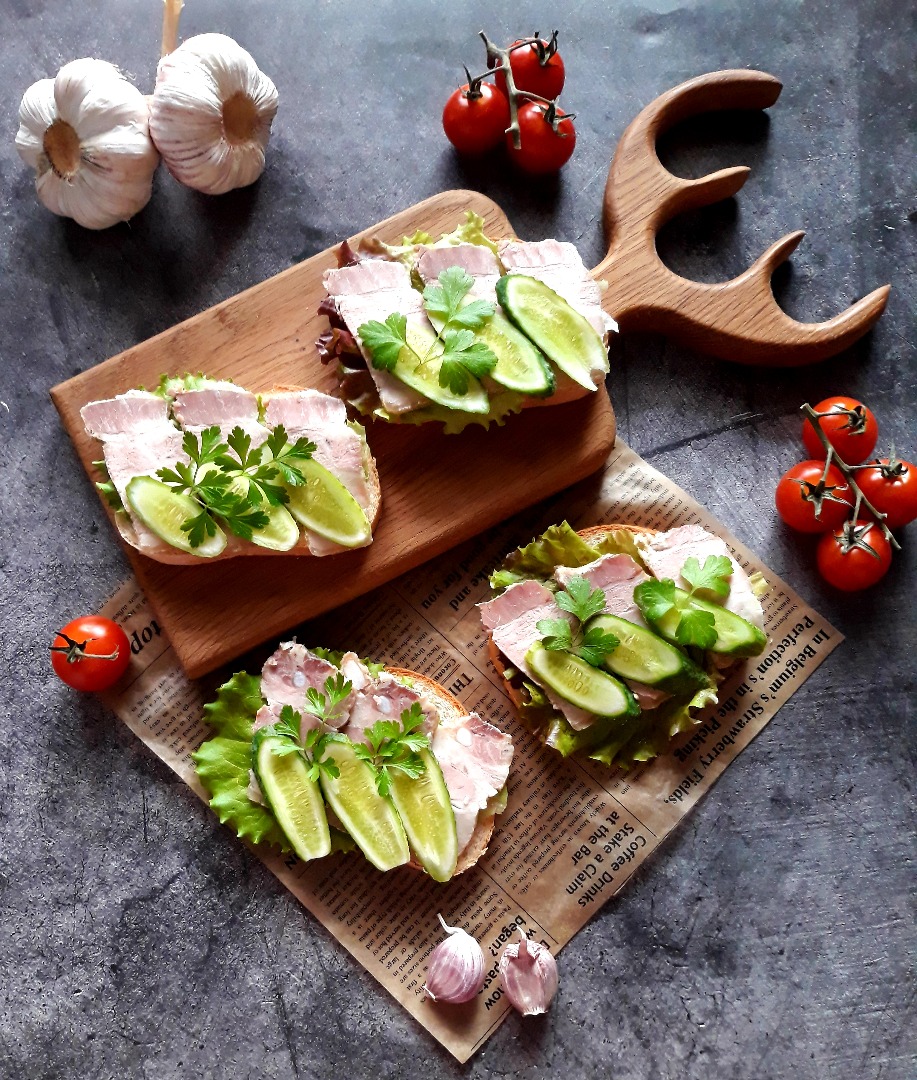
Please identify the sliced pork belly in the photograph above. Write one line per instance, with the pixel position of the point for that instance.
(290, 672)
(511, 620)
(475, 758)
(137, 438)
(665, 554)
(560, 267)
(479, 262)
(386, 699)
(375, 289)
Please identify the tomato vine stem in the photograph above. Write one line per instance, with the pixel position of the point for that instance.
(833, 458)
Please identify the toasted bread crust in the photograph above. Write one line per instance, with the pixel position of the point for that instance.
(484, 826)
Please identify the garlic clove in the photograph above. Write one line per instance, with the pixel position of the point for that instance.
(455, 970)
(529, 974)
(211, 114)
(86, 135)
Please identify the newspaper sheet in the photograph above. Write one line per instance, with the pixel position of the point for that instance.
(573, 831)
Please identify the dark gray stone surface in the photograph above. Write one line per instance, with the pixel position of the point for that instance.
(773, 934)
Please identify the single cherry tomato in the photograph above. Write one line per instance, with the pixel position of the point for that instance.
(807, 504)
(854, 557)
(853, 437)
(891, 487)
(474, 119)
(543, 149)
(536, 68)
(90, 653)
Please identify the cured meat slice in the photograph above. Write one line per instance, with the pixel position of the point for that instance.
(137, 438)
(386, 698)
(617, 576)
(372, 290)
(219, 404)
(666, 553)
(290, 672)
(560, 267)
(479, 262)
(511, 620)
(475, 758)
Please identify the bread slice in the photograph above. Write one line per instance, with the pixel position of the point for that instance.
(235, 546)
(450, 707)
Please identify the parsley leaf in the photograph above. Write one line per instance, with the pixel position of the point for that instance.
(327, 706)
(394, 745)
(696, 627)
(444, 300)
(385, 340)
(712, 576)
(463, 356)
(580, 599)
(558, 634)
(597, 644)
(311, 748)
(655, 598)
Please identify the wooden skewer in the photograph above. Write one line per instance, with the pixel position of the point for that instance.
(736, 320)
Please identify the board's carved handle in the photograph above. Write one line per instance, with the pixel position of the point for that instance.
(739, 319)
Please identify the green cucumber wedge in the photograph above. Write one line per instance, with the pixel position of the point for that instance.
(164, 510)
(369, 818)
(562, 334)
(429, 821)
(580, 683)
(325, 506)
(647, 658)
(418, 367)
(735, 636)
(294, 800)
(520, 365)
(281, 532)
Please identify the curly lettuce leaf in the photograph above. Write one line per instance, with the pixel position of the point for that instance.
(223, 767)
(760, 586)
(335, 656)
(233, 713)
(170, 385)
(619, 542)
(557, 546)
(454, 421)
(470, 231)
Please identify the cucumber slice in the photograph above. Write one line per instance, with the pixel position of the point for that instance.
(647, 658)
(520, 365)
(424, 376)
(562, 334)
(580, 683)
(164, 510)
(428, 819)
(293, 799)
(735, 636)
(281, 532)
(371, 820)
(326, 507)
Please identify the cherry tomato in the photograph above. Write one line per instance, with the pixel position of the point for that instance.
(543, 149)
(90, 653)
(846, 563)
(799, 493)
(891, 487)
(853, 439)
(529, 73)
(474, 122)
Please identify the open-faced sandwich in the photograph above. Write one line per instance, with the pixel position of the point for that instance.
(324, 751)
(203, 469)
(463, 329)
(611, 639)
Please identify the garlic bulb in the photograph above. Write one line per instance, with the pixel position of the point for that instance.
(455, 971)
(86, 135)
(211, 114)
(529, 974)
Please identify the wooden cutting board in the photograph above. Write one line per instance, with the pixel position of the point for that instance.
(437, 490)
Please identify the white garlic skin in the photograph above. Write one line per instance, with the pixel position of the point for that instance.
(455, 970)
(86, 134)
(211, 114)
(529, 974)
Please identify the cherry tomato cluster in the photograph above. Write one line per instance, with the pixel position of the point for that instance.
(852, 500)
(519, 108)
(90, 653)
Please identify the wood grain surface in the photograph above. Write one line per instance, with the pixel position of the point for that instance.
(437, 490)
(738, 319)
